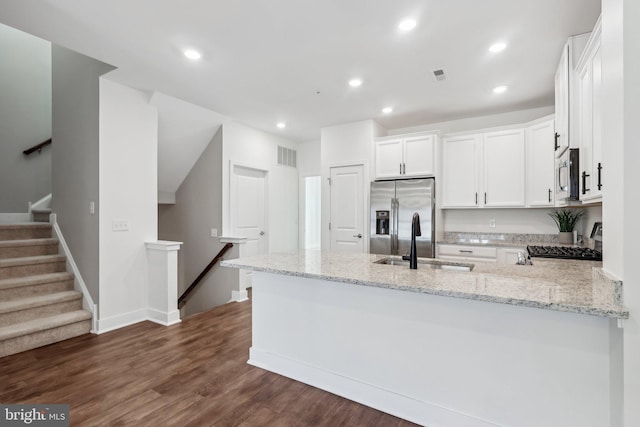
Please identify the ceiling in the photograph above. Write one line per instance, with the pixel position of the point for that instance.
(290, 60)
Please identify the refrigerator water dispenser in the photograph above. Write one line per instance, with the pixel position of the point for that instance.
(382, 222)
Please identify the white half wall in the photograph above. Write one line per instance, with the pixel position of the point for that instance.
(25, 119)
(253, 148)
(128, 194)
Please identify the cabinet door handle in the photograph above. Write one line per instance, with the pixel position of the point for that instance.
(555, 142)
(400, 168)
(476, 197)
(485, 197)
(465, 252)
(584, 182)
(549, 195)
(599, 176)
(404, 169)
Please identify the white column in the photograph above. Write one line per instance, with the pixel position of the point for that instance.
(236, 277)
(163, 282)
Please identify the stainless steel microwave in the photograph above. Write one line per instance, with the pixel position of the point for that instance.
(568, 175)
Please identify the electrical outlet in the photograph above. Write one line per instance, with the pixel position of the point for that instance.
(492, 223)
(214, 232)
(120, 225)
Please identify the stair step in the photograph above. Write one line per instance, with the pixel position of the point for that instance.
(28, 247)
(25, 230)
(29, 266)
(47, 330)
(27, 309)
(31, 286)
(40, 215)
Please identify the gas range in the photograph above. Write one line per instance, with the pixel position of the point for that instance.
(564, 252)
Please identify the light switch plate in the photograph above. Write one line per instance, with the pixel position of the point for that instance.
(120, 225)
(492, 223)
(92, 208)
(214, 232)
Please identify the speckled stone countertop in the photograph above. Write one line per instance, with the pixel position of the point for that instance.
(511, 240)
(561, 285)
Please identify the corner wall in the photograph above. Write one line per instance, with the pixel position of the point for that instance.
(25, 119)
(343, 145)
(75, 157)
(128, 176)
(253, 148)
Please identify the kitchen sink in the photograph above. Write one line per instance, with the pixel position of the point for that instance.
(423, 263)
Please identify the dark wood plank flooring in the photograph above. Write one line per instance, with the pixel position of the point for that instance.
(191, 374)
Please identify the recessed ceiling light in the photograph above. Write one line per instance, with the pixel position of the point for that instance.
(499, 89)
(192, 54)
(355, 82)
(497, 47)
(407, 24)
(281, 125)
(387, 110)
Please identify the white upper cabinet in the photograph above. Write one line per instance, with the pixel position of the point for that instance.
(460, 174)
(566, 95)
(562, 103)
(388, 158)
(540, 164)
(589, 70)
(504, 165)
(404, 156)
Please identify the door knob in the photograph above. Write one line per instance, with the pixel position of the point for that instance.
(262, 233)
(359, 235)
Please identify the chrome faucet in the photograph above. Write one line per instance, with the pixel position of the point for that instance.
(415, 231)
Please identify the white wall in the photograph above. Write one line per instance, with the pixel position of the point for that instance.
(308, 165)
(25, 118)
(250, 147)
(343, 145)
(75, 165)
(621, 196)
(480, 122)
(128, 191)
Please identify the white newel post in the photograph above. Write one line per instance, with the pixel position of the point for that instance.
(163, 282)
(233, 276)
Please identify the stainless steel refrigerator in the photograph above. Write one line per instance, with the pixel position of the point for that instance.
(393, 204)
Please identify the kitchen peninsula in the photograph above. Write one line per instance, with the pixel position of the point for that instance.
(500, 345)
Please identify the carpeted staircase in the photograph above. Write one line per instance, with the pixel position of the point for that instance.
(38, 305)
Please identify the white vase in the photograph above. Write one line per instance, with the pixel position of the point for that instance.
(565, 237)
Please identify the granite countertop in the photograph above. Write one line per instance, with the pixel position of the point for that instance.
(561, 285)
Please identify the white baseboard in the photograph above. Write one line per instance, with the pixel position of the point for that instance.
(78, 282)
(416, 411)
(239, 296)
(8, 218)
(164, 318)
(121, 320)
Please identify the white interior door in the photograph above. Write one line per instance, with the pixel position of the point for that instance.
(248, 202)
(347, 231)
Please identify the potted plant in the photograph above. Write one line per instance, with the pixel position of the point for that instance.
(566, 220)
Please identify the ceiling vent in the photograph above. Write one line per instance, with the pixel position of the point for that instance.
(439, 74)
(286, 156)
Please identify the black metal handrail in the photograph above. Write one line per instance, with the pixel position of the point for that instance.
(37, 147)
(183, 298)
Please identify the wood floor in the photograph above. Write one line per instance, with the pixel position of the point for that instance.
(191, 374)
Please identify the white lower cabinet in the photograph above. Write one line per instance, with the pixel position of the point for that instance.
(470, 253)
(467, 253)
(510, 255)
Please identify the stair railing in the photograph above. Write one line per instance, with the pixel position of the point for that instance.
(183, 298)
(37, 147)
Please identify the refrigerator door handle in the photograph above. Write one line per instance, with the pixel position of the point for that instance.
(394, 222)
